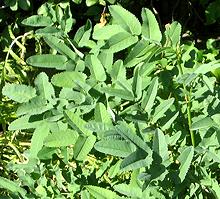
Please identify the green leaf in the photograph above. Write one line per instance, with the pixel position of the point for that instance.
(91, 2)
(129, 135)
(202, 69)
(136, 160)
(114, 170)
(61, 138)
(68, 79)
(38, 137)
(37, 21)
(35, 106)
(18, 92)
(48, 61)
(150, 27)
(44, 87)
(106, 59)
(101, 193)
(77, 123)
(118, 70)
(101, 114)
(161, 109)
(50, 30)
(46, 153)
(24, 4)
(85, 194)
(125, 19)
(149, 96)
(12, 187)
(106, 32)
(97, 69)
(206, 122)
(210, 84)
(137, 83)
(185, 159)
(120, 148)
(83, 34)
(140, 52)
(120, 42)
(23, 123)
(160, 145)
(83, 146)
(60, 46)
(128, 190)
(169, 122)
(121, 93)
(98, 126)
(70, 94)
(205, 68)
(173, 34)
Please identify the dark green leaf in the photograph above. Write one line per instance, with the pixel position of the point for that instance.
(37, 21)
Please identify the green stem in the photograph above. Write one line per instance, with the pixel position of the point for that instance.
(80, 54)
(187, 98)
(6, 61)
(16, 151)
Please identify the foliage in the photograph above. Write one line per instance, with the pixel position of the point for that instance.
(118, 110)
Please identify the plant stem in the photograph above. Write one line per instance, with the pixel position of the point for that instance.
(16, 151)
(6, 60)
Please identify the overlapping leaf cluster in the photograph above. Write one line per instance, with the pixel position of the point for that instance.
(129, 113)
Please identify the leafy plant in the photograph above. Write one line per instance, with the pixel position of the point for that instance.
(127, 111)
